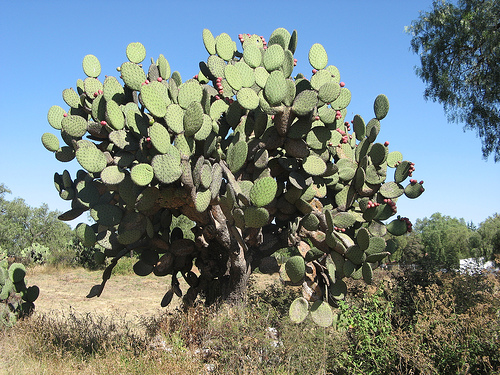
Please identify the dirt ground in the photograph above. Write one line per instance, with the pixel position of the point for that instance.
(127, 297)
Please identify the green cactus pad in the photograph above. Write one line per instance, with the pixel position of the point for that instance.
(402, 171)
(256, 217)
(189, 92)
(299, 309)
(329, 92)
(263, 191)
(252, 55)
(372, 129)
(233, 77)
(314, 165)
(184, 144)
(86, 235)
(338, 290)
(318, 57)
(154, 96)
(261, 76)
(310, 222)
(378, 153)
(106, 214)
(394, 158)
(133, 75)
(248, 98)
(87, 193)
(91, 159)
(136, 52)
(321, 313)
(216, 65)
(92, 86)
(31, 293)
(237, 155)
(295, 268)
(276, 88)
(413, 190)
(224, 46)
(163, 67)
(206, 175)
(246, 73)
(71, 98)
(167, 167)
(397, 227)
(193, 119)
(113, 90)
(344, 220)
(209, 42)
(381, 106)
(160, 137)
(75, 126)
(50, 142)
(305, 102)
(17, 272)
(391, 190)
(359, 127)
(363, 239)
(142, 174)
(175, 118)
(112, 175)
(377, 245)
(55, 116)
(273, 57)
(318, 137)
(115, 115)
(367, 273)
(342, 100)
(91, 66)
(202, 200)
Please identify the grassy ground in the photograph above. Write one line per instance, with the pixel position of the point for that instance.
(396, 326)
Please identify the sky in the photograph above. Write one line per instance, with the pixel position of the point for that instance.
(42, 45)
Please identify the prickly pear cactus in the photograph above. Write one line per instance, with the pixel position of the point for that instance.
(257, 157)
(16, 299)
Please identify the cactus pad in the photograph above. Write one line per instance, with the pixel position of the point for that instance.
(299, 309)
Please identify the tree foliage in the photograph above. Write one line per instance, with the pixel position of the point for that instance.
(490, 235)
(22, 226)
(459, 49)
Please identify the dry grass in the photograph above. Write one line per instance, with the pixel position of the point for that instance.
(456, 330)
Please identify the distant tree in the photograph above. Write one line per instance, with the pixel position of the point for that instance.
(409, 249)
(459, 49)
(445, 240)
(21, 226)
(490, 235)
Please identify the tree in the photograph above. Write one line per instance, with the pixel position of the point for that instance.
(490, 235)
(459, 49)
(445, 240)
(254, 159)
(22, 226)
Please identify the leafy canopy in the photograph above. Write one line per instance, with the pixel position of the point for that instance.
(459, 49)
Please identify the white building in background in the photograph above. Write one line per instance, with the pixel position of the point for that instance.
(473, 265)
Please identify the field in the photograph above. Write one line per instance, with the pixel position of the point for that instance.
(395, 326)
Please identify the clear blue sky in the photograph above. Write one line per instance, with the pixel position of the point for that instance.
(42, 44)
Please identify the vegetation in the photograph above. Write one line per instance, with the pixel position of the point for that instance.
(441, 241)
(458, 46)
(449, 326)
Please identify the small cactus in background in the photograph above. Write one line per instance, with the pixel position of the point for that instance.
(16, 298)
(256, 158)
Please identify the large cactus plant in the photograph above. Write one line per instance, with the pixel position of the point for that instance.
(257, 158)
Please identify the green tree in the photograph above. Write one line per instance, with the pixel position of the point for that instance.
(445, 240)
(490, 236)
(409, 249)
(21, 226)
(459, 49)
